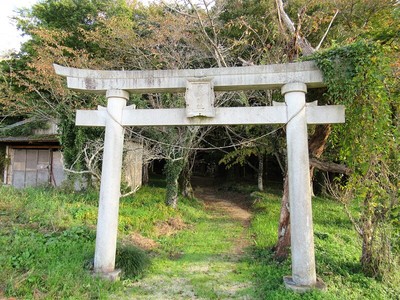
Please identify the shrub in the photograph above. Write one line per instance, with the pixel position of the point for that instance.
(131, 260)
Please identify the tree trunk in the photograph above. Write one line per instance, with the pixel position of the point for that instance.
(145, 176)
(282, 246)
(260, 172)
(366, 255)
(301, 42)
(316, 147)
(172, 170)
(184, 181)
(317, 142)
(133, 165)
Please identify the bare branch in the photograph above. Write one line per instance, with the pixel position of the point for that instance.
(336, 192)
(82, 172)
(279, 15)
(20, 123)
(218, 55)
(177, 10)
(131, 192)
(278, 159)
(327, 30)
(284, 17)
(303, 43)
(92, 157)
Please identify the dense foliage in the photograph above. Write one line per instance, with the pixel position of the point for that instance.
(360, 77)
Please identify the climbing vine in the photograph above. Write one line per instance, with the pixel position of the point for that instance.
(360, 76)
(73, 140)
(172, 170)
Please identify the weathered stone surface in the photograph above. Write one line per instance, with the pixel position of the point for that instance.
(290, 284)
(112, 276)
(302, 240)
(224, 79)
(223, 116)
(107, 222)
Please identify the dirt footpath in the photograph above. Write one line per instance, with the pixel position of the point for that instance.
(202, 275)
(235, 205)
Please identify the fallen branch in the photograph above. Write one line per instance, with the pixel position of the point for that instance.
(131, 192)
(330, 166)
(83, 172)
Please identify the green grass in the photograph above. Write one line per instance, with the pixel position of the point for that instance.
(131, 260)
(197, 262)
(337, 251)
(47, 238)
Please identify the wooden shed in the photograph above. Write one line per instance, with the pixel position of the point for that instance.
(32, 161)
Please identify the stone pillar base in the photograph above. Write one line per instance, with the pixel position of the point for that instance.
(290, 284)
(111, 276)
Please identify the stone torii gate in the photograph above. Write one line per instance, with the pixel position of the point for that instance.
(199, 86)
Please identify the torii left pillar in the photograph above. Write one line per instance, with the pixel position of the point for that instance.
(107, 222)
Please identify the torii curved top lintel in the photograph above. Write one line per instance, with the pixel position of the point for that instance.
(224, 79)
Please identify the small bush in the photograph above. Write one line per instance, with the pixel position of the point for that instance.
(131, 260)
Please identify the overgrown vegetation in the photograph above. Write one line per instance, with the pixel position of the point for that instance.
(360, 77)
(25, 129)
(337, 250)
(110, 34)
(47, 242)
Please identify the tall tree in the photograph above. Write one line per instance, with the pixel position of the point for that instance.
(307, 23)
(157, 37)
(30, 86)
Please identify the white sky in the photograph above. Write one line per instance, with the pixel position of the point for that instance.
(10, 37)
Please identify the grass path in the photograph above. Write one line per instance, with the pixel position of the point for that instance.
(206, 261)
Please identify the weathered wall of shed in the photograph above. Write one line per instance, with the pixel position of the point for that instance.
(33, 167)
(133, 164)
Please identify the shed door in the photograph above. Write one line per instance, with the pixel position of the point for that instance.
(31, 167)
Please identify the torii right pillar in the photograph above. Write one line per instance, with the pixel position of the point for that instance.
(302, 240)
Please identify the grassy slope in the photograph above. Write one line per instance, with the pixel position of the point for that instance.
(46, 237)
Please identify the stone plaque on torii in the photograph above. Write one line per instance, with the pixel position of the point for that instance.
(199, 86)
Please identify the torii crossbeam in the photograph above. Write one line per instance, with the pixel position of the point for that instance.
(199, 86)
